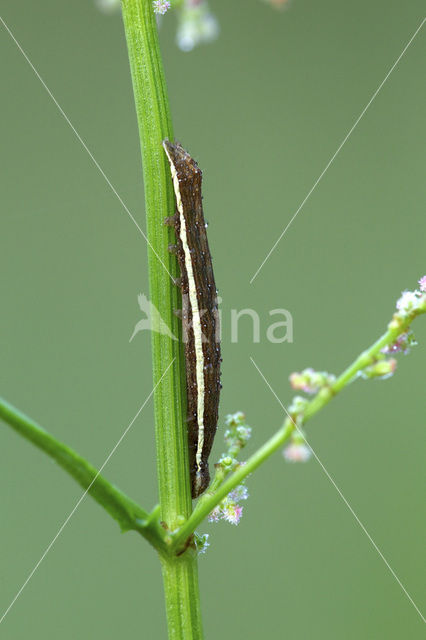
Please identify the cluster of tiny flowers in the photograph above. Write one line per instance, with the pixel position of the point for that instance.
(297, 450)
(402, 344)
(412, 300)
(197, 25)
(161, 6)
(230, 509)
(239, 493)
(238, 432)
(311, 381)
(235, 419)
(236, 437)
(297, 407)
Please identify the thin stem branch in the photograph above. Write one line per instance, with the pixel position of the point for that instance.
(128, 514)
(211, 498)
(396, 327)
(208, 501)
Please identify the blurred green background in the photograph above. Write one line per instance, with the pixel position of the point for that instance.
(262, 109)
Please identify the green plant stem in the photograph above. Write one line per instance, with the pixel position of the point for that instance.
(153, 115)
(181, 592)
(208, 501)
(211, 498)
(128, 514)
(396, 327)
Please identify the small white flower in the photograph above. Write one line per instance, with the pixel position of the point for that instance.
(409, 301)
(197, 25)
(161, 6)
(297, 452)
(239, 493)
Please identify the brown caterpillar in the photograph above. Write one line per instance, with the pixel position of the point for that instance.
(200, 317)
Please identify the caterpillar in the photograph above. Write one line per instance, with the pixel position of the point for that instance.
(200, 316)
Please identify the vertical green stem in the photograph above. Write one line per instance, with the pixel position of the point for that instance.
(153, 115)
(180, 578)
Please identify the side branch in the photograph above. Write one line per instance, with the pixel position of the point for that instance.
(399, 325)
(128, 514)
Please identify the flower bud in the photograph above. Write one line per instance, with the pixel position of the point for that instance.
(381, 369)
